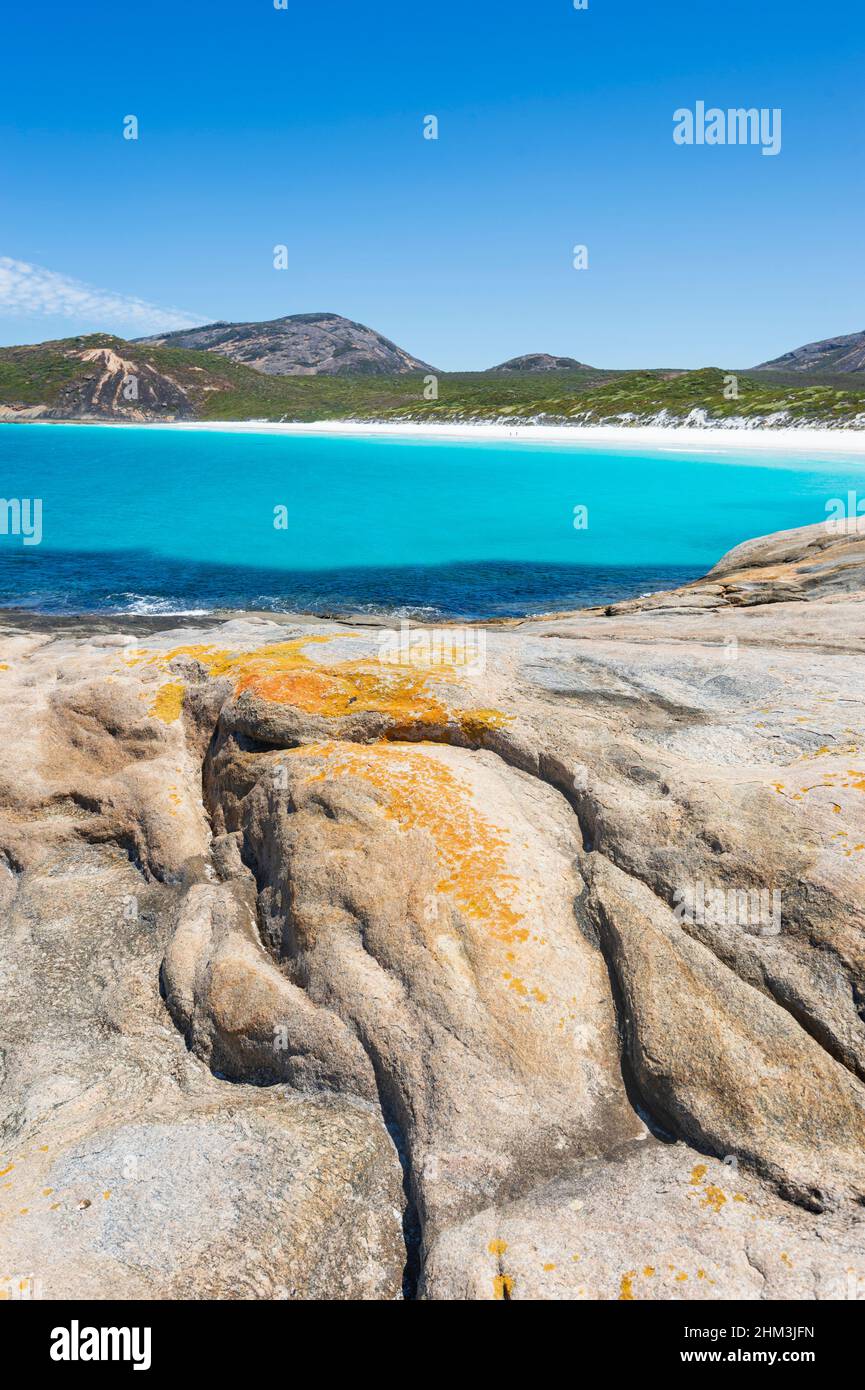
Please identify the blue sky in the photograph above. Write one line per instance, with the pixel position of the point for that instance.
(304, 127)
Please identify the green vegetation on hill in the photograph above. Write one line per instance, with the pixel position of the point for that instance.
(647, 394)
(35, 375)
(583, 396)
(400, 397)
(57, 376)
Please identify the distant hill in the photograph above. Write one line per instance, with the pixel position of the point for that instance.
(299, 345)
(539, 362)
(845, 354)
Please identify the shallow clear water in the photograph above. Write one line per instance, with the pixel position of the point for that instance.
(160, 520)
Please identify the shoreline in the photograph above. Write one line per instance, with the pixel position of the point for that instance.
(701, 440)
(87, 623)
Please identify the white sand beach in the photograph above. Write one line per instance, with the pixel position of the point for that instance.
(702, 440)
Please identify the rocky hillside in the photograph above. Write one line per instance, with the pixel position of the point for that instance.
(845, 354)
(539, 362)
(299, 345)
(102, 377)
(530, 968)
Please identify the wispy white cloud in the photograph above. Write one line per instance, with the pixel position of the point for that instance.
(30, 289)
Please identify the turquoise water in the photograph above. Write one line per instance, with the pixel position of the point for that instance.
(152, 520)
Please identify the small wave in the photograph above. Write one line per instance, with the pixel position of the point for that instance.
(144, 605)
(415, 611)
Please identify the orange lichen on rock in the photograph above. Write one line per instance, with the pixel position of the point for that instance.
(421, 793)
(285, 673)
(503, 1286)
(168, 702)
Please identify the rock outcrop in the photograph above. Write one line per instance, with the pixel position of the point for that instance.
(100, 378)
(299, 345)
(119, 388)
(530, 965)
(843, 354)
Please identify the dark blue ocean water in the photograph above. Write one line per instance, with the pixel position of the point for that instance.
(160, 520)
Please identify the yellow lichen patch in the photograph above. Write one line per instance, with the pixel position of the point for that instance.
(285, 673)
(649, 1271)
(626, 1287)
(476, 722)
(548, 1268)
(503, 1286)
(4, 1171)
(497, 1247)
(713, 1197)
(168, 702)
(421, 793)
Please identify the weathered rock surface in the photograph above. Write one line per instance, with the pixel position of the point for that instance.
(654, 1221)
(735, 1073)
(809, 562)
(420, 901)
(531, 966)
(299, 345)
